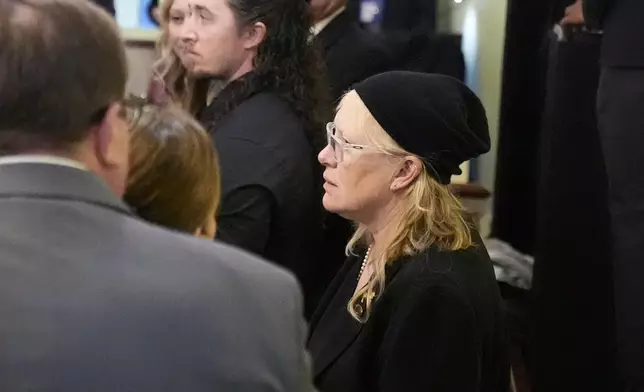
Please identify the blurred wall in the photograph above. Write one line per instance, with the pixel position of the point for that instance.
(140, 57)
(482, 25)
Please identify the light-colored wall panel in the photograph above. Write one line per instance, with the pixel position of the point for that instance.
(140, 57)
(482, 25)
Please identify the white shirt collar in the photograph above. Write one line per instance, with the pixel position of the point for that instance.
(42, 159)
(319, 26)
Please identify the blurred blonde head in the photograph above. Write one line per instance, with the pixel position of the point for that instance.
(174, 176)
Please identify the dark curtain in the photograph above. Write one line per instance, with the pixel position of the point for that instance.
(522, 102)
(572, 286)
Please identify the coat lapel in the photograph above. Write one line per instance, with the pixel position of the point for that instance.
(333, 328)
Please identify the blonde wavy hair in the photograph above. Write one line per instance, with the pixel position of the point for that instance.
(429, 215)
(187, 92)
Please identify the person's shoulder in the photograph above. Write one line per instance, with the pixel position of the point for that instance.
(264, 120)
(263, 107)
(188, 255)
(459, 273)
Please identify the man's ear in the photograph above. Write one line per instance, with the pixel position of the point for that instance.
(104, 134)
(409, 170)
(254, 35)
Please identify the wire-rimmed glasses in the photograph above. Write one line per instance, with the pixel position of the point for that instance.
(338, 145)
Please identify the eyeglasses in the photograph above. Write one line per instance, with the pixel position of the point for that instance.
(131, 109)
(338, 145)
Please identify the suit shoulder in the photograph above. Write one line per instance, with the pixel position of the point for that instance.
(197, 254)
(264, 106)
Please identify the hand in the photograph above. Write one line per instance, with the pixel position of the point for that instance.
(574, 14)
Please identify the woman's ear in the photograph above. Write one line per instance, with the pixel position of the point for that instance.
(407, 173)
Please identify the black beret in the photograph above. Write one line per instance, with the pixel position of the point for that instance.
(435, 117)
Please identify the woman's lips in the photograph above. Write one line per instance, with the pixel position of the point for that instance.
(328, 181)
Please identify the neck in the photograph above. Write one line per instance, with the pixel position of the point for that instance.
(246, 67)
(381, 228)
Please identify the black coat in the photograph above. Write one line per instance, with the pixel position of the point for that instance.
(271, 198)
(350, 53)
(621, 21)
(437, 327)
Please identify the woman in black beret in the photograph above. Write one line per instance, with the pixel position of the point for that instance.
(416, 306)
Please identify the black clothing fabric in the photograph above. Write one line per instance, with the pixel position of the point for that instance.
(620, 102)
(621, 125)
(108, 5)
(271, 201)
(623, 24)
(572, 285)
(436, 327)
(350, 54)
(246, 220)
(435, 117)
(521, 110)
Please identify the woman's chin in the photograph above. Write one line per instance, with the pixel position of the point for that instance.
(329, 204)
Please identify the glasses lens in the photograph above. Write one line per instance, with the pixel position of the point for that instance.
(333, 142)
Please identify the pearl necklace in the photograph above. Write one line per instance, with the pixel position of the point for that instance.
(364, 262)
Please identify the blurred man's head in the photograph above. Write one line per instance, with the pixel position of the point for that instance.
(324, 8)
(62, 75)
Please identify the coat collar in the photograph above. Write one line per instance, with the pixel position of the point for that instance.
(49, 181)
(333, 328)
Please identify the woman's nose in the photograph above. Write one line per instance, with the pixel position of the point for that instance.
(326, 157)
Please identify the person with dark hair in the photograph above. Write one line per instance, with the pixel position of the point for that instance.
(247, 70)
(153, 11)
(620, 101)
(92, 297)
(173, 178)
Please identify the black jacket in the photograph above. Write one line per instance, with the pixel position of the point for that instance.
(350, 53)
(271, 201)
(623, 25)
(437, 327)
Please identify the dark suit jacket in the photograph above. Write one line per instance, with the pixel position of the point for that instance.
(350, 53)
(623, 25)
(94, 299)
(437, 327)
